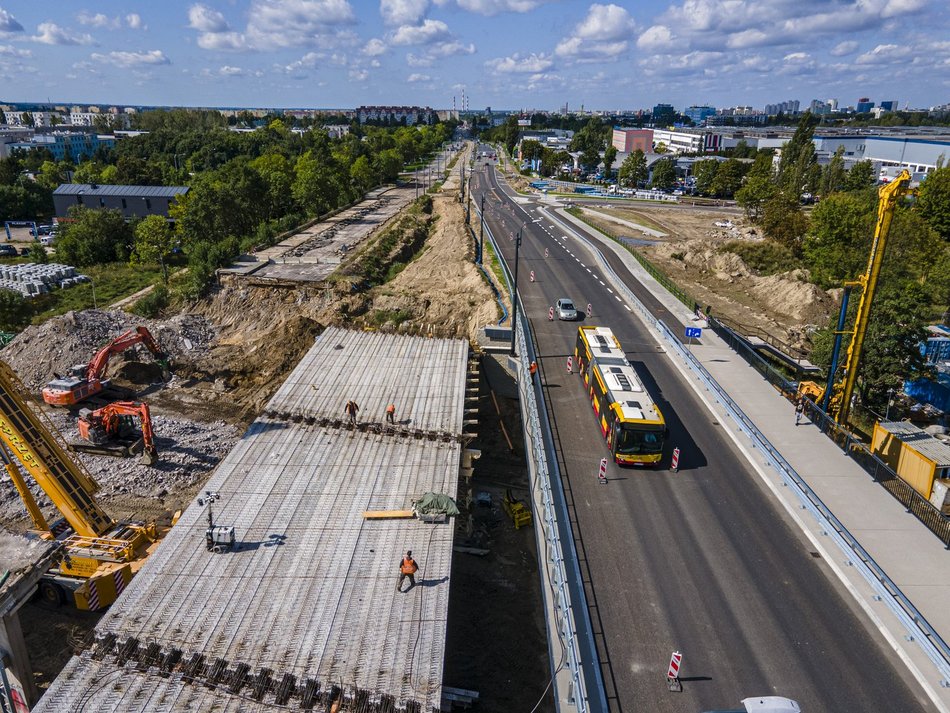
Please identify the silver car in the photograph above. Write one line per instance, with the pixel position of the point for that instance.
(565, 309)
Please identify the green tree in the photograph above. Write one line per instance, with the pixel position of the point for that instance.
(88, 172)
(860, 176)
(610, 156)
(51, 175)
(754, 194)
(277, 171)
(633, 170)
(664, 175)
(892, 346)
(798, 157)
(362, 173)
(783, 221)
(834, 176)
(94, 237)
(933, 201)
(39, 254)
(728, 179)
(154, 242)
(318, 184)
(133, 171)
(705, 173)
(590, 159)
(15, 312)
(388, 164)
(531, 150)
(839, 237)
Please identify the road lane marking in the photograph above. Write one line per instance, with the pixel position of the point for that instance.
(610, 290)
(617, 297)
(600, 281)
(588, 270)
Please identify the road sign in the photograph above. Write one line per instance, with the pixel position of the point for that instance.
(675, 660)
(590, 310)
(673, 673)
(676, 460)
(694, 332)
(551, 314)
(532, 275)
(602, 473)
(570, 365)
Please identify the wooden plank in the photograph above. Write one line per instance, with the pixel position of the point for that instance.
(387, 514)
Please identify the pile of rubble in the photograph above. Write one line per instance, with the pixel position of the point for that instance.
(54, 346)
(187, 450)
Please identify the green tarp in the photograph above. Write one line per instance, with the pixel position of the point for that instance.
(435, 504)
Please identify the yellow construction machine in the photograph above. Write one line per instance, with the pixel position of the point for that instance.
(99, 556)
(835, 396)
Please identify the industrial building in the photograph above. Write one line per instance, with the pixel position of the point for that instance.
(303, 611)
(627, 141)
(63, 145)
(132, 201)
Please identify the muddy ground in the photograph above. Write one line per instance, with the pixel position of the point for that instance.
(691, 253)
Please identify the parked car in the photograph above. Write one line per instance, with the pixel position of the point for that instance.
(565, 309)
(8, 251)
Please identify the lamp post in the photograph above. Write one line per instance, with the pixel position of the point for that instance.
(514, 294)
(481, 235)
(92, 283)
(890, 402)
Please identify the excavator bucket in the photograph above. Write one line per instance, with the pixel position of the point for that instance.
(149, 456)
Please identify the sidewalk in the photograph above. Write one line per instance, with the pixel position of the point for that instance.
(900, 544)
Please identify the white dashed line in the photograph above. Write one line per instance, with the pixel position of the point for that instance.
(583, 265)
(616, 297)
(610, 290)
(628, 308)
(600, 281)
(588, 270)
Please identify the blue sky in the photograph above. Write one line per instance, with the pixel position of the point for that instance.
(504, 53)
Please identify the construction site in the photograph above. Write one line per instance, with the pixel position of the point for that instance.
(222, 535)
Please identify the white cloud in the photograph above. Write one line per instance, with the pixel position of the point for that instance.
(222, 41)
(206, 19)
(896, 8)
(418, 78)
(797, 57)
(844, 48)
(655, 38)
(883, 54)
(358, 75)
(134, 21)
(132, 59)
(374, 48)
(601, 35)
(52, 34)
(11, 51)
(495, 7)
(227, 71)
(296, 23)
(308, 61)
(98, 20)
(414, 60)
(451, 48)
(516, 63)
(605, 22)
(428, 32)
(8, 23)
(403, 12)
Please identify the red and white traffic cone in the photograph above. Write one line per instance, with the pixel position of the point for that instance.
(674, 466)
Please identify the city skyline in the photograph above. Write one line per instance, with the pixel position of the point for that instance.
(503, 53)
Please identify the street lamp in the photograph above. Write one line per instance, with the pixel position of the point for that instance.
(514, 294)
(481, 236)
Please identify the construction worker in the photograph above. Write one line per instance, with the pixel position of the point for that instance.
(799, 410)
(533, 369)
(407, 568)
(351, 410)
(391, 413)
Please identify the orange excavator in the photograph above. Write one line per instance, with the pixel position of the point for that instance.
(86, 380)
(111, 430)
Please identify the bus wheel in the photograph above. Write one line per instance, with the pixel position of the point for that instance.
(52, 594)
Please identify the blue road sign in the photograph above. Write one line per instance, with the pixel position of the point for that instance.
(694, 332)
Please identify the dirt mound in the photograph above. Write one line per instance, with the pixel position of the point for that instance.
(441, 290)
(790, 294)
(51, 348)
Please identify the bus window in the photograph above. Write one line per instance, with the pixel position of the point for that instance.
(635, 441)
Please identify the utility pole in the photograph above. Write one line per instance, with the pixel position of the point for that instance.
(514, 294)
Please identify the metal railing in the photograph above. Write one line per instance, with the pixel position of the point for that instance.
(918, 628)
(559, 560)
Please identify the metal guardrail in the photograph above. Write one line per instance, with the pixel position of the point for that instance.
(918, 628)
(559, 561)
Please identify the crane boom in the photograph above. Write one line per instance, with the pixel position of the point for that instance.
(888, 196)
(67, 484)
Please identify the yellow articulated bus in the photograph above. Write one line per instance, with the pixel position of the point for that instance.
(628, 417)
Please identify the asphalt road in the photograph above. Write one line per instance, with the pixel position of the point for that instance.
(701, 561)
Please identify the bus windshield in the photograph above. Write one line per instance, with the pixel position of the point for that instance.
(637, 441)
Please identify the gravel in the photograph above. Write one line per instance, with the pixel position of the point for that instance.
(59, 343)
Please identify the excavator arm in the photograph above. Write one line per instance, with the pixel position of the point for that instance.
(140, 335)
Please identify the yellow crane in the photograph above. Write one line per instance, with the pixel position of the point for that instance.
(99, 555)
(841, 392)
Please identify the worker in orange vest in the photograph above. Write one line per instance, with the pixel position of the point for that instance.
(533, 368)
(351, 410)
(391, 413)
(407, 568)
